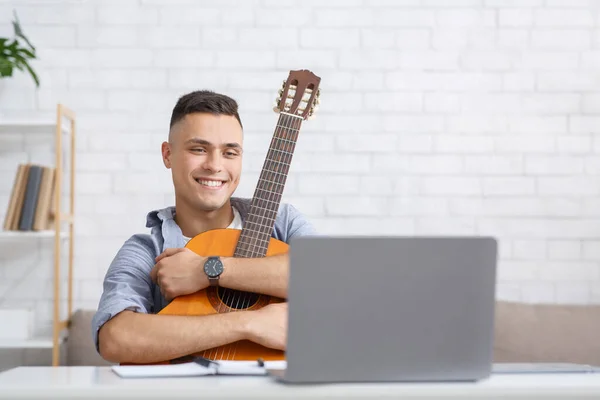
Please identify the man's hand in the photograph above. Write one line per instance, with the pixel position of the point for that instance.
(178, 272)
(268, 326)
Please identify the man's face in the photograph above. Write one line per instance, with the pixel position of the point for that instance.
(204, 154)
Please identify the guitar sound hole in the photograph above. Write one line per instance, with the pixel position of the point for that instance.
(237, 299)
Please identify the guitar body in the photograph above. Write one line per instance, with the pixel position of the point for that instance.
(223, 242)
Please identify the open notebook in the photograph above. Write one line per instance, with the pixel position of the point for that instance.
(197, 369)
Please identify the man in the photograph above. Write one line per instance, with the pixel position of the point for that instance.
(204, 152)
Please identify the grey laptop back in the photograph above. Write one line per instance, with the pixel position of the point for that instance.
(376, 309)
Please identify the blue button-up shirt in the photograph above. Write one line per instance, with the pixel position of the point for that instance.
(127, 284)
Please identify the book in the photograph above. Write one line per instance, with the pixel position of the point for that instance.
(32, 199)
(193, 368)
(32, 191)
(13, 201)
(44, 201)
(20, 196)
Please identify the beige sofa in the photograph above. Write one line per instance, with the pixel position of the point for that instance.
(547, 333)
(523, 333)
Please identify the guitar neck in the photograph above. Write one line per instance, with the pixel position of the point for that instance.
(258, 227)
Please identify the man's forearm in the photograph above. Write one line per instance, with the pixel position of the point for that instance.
(146, 338)
(266, 275)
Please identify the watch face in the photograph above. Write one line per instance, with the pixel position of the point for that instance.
(213, 267)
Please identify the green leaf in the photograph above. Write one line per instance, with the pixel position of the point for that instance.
(12, 46)
(6, 68)
(14, 55)
(19, 65)
(28, 53)
(19, 58)
(19, 31)
(33, 75)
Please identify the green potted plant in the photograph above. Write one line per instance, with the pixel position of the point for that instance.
(15, 54)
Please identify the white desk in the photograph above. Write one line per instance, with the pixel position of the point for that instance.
(102, 383)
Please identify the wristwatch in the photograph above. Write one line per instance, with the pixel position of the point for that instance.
(213, 268)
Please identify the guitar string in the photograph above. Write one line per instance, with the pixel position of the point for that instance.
(222, 303)
(260, 216)
(253, 249)
(279, 179)
(287, 157)
(256, 249)
(253, 252)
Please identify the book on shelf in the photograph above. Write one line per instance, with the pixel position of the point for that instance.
(30, 207)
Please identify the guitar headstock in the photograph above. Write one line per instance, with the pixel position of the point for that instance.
(299, 94)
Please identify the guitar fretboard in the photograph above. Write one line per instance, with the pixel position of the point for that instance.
(258, 227)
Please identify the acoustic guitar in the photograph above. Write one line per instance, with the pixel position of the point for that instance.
(297, 101)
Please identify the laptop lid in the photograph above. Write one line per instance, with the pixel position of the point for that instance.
(390, 308)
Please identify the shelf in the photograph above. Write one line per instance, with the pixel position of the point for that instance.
(30, 234)
(21, 126)
(33, 343)
(10, 125)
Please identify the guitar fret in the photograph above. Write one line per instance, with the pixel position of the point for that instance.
(252, 246)
(257, 233)
(262, 223)
(251, 253)
(263, 229)
(275, 172)
(269, 219)
(268, 191)
(276, 183)
(261, 245)
(257, 220)
(285, 140)
(276, 198)
(270, 201)
(291, 115)
(279, 162)
(255, 241)
(262, 185)
(288, 131)
(288, 128)
(261, 208)
(241, 240)
(281, 151)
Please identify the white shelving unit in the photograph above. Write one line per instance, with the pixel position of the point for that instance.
(31, 234)
(39, 125)
(60, 217)
(33, 343)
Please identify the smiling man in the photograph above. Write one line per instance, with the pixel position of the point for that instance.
(204, 153)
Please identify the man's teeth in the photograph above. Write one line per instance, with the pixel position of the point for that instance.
(211, 183)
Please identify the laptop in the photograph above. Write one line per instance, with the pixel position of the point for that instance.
(390, 309)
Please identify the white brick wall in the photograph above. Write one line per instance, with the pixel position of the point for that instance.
(438, 117)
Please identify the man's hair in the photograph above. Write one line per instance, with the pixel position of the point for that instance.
(204, 101)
